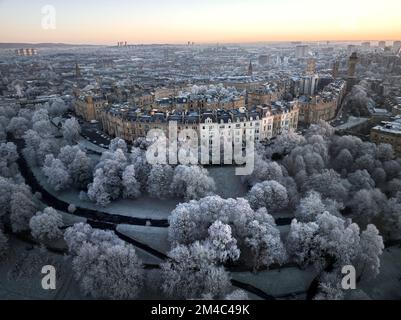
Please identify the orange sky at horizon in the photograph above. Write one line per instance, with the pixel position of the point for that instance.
(206, 21)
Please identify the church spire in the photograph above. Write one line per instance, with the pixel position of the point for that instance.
(250, 69)
(77, 71)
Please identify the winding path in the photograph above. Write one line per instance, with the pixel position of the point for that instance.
(107, 221)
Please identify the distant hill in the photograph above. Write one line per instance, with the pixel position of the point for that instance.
(39, 45)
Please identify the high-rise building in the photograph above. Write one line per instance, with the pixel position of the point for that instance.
(309, 84)
(77, 71)
(382, 44)
(351, 48)
(263, 59)
(352, 62)
(301, 51)
(250, 69)
(311, 67)
(336, 68)
(397, 46)
(366, 44)
(26, 52)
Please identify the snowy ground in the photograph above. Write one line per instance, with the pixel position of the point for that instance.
(144, 207)
(156, 238)
(20, 275)
(228, 185)
(387, 286)
(87, 145)
(279, 282)
(352, 122)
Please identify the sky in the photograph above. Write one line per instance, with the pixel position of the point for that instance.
(201, 21)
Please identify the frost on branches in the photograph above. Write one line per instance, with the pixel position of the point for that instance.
(45, 226)
(105, 266)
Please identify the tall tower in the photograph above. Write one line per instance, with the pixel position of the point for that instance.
(336, 68)
(77, 71)
(250, 69)
(353, 61)
(311, 67)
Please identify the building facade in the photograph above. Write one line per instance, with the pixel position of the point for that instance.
(389, 133)
(323, 106)
(267, 121)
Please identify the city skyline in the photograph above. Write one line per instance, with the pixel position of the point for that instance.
(103, 22)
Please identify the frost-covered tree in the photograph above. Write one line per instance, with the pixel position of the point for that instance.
(393, 187)
(192, 182)
(392, 169)
(76, 235)
(360, 179)
(47, 147)
(132, 188)
(334, 242)
(269, 194)
(80, 170)
(108, 179)
(329, 240)
(358, 102)
(287, 142)
(265, 244)
(222, 242)
(255, 231)
(192, 272)
(118, 143)
(310, 207)
(379, 176)
(56, 108)
(264, 171)
(329, 184)
(37, 147)
(3, 244)
(141, 143)
(67, 154)
(160, 180)
(22, 208)
(344, 161)
(32, 142)
(72, 208)
(71, 130)
(113, 272)
(322, 128)
(98, 190)
(371, 248)
(18, 126)
(6, 190)
(3, 133)
(56, 173)
(385, 152)
(330, 287)
(367, 205)
(237, 295)
(46, 224)
(8, 158)
(390, 221)
(40, 115)
(366, 162)
(25, 113)
(44, 128)
(292, 191)
(142, 167)
(105, 266)
(78, 164)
